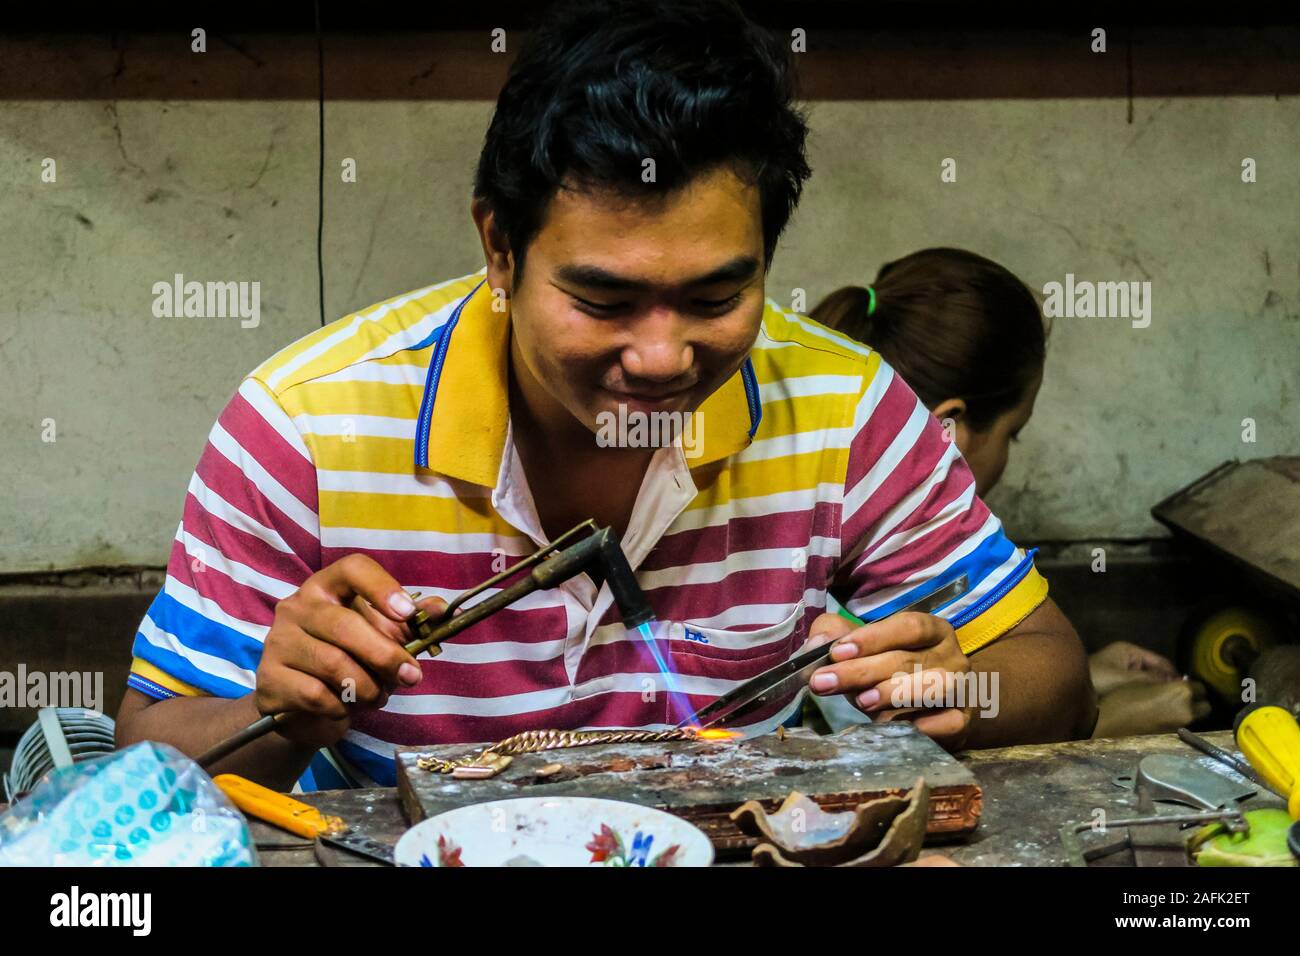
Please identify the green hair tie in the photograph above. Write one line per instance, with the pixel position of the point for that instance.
(871, 300)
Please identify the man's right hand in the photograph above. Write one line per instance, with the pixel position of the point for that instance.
(335, 646)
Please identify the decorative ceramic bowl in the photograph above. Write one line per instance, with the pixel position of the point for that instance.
(554, 831)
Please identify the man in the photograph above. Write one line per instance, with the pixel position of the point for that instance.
(641, 164)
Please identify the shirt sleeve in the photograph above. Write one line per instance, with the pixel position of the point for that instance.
(249, 536)
(911, 523)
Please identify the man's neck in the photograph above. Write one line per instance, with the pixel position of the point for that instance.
(560, 456)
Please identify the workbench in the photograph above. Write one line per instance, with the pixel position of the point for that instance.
(1029, 792)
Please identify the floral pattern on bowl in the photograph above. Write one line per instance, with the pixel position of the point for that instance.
(607, 847)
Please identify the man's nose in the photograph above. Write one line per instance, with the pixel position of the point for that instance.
(659, 349)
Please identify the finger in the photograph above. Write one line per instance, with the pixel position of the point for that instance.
(932, 688)
(347, 680)
(949, 724)
(911, 630)
(378, 654)
(933, 859)
(1139, 677)
(826, 628)
(1198, 690)
(358, 575)
(885, 716)
(855, 676)
(303, 692)
(391, 629)
(1151, 661)
(1201, 709)
(435, 608)
(334, 667)
(814, 641)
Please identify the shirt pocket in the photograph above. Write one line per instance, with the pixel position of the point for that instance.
(734, 655)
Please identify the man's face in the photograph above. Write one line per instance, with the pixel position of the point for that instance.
(651, 304)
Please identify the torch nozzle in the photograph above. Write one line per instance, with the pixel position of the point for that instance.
(603, 550)
(628, 595)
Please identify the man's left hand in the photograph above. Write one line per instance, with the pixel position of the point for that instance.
(896, 669)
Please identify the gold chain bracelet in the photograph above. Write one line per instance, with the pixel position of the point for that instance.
(494, 759)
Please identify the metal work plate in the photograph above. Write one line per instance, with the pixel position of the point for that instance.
(703, 781)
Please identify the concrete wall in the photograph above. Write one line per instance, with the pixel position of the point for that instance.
(1049, 187)
(223, 190)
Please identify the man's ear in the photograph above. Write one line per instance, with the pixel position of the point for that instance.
(954, 408)
(496, 248)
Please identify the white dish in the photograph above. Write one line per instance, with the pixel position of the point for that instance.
(554, 831)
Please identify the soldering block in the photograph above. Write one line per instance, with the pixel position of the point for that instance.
(704, 781)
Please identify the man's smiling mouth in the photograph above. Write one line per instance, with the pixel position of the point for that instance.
(648, 399)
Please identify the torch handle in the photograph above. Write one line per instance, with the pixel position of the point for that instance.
(258, 728)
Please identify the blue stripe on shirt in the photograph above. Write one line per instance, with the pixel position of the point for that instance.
(998, 593)
(323, 775)
(991, 554)
(382, 770)
(198, 633)
(203, 634)
(149, 688)
(171, 663)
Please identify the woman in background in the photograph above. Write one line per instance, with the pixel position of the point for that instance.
(968, 337)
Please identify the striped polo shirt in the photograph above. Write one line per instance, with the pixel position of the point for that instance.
(388, 433)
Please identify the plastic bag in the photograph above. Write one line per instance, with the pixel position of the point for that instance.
(147, 805)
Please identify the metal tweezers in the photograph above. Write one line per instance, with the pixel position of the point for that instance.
(775, 682)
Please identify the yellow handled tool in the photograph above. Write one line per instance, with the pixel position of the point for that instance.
(1269, 737)
(283, 811)
(277, 809)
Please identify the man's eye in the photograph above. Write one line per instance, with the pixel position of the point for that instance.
(598, 308)
(715, 306)
(719, 305)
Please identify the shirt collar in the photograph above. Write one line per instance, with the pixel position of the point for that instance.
(464, 415)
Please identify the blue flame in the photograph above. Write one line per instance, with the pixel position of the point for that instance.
(679, 707)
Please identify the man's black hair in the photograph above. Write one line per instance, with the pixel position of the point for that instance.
(602, 85)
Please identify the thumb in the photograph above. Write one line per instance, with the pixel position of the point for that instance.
(826, 628)
(1155, 663)
(435, 607)
(1143, 677)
